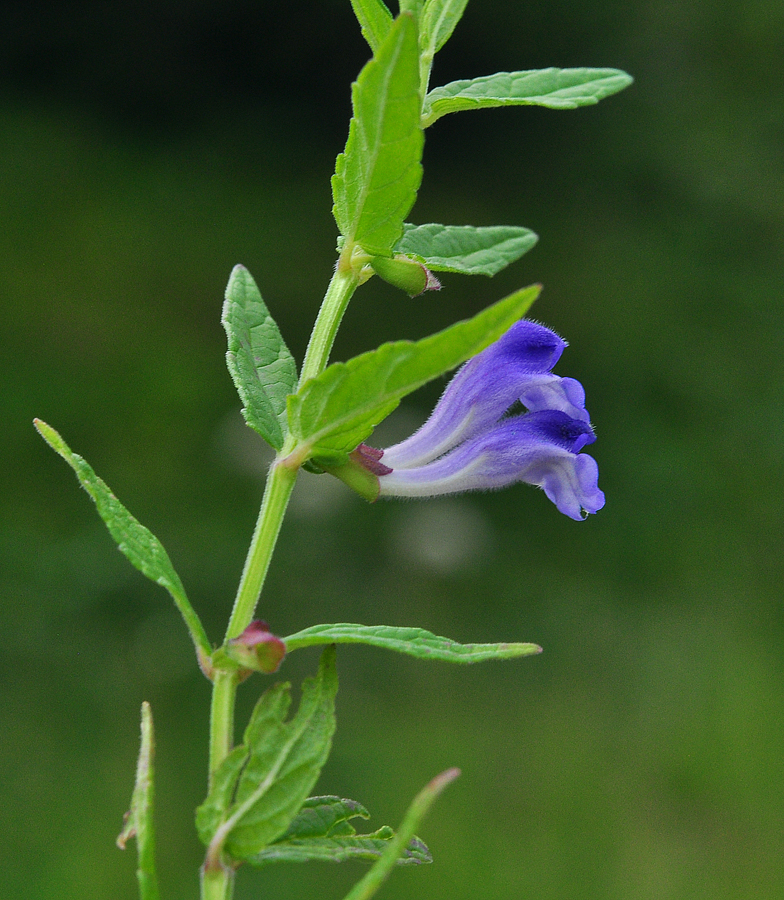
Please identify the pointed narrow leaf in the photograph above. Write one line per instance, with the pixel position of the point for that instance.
(418, 809)
(136, 542)
(139, 822)
(261, 366)
(464, 248)
(321, 830)
(554, 88)
(211, 814)
(338, 409)
(438, 21)
(285, 760)
(377, 176)
(374, 19)
(411, 641)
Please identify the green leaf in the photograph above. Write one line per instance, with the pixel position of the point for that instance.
(438, 21)
(464, 248)
(334, 412)
(325, 816)
(418, 809)
(375, 20)
(139, 822)
(554, 88)
(411, 641)
(139, 545)
(321, 831)
(284, 761)
(261, 366)
(377, 176)
(212, 812)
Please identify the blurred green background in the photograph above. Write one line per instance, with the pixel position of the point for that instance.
(146, 148)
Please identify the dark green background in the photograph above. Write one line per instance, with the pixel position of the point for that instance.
(147, 148)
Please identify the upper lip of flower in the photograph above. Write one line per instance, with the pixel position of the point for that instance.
(517, 367)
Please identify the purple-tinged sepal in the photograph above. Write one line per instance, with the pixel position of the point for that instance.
(362, 470)
(257, 648)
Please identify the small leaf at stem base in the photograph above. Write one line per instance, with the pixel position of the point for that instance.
(139, 819)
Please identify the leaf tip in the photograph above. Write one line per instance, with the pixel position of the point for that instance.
(47, 433)
(238, 273)
(126, 834)
(443, 780)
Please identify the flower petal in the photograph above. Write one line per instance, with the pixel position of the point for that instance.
(554, 392)
(540, 448)
(484, 389)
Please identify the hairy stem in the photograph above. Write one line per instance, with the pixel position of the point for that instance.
(224, 690)
(217, 879)
(217, 884)
(344, 282)
(280, 483)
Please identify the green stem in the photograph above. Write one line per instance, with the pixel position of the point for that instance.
(280, 483)
(217, 881)
(217, 884)
(224, 690)
(344, 282)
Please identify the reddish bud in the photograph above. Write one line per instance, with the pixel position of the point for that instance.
(257, 648)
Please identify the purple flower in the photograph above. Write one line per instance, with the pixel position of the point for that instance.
(474, 441)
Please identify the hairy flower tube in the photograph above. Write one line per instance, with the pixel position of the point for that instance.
(474, 440)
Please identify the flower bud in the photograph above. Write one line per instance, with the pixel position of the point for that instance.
(407, 274)
(257, 648)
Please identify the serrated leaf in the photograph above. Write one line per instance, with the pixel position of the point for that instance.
(340, 849)
(411, 641)
(438, 21)
(375, 21)
(139, 822)
(285, 759)
(334, 412)
(321, 831)
(211, 814)
(325, 816)
(261, 366)
(554, 88)
(139, 545)
(377, 176)
(465, 249)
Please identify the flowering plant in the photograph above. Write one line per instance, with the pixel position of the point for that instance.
(505, 417)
